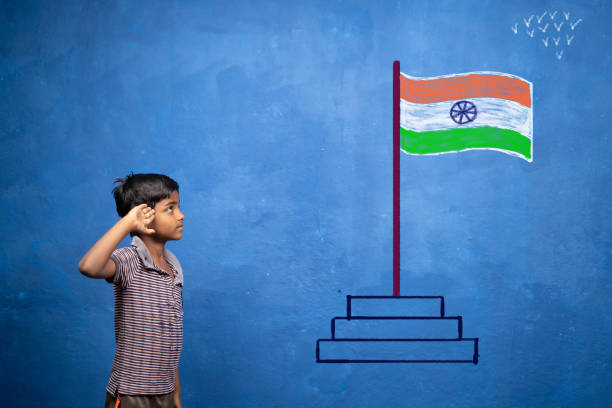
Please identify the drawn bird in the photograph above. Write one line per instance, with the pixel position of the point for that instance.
(556, 40)
(528, 21)
(569, 39)
(543, 29)
(515, 28)
(558, 27)
(566, 15)
(530, 33)
(572, 26)
(559, 54)
(545, 41)
(539, 18)
(552, 16)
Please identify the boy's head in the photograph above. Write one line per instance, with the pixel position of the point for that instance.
(136, 189)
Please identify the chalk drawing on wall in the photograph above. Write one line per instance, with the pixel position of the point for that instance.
(396, 329)
(474, 110)
(553, 30)
(431, 116)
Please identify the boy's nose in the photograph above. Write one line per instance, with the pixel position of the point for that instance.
(181, 215)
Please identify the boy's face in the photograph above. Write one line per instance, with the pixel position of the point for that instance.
(168, 222)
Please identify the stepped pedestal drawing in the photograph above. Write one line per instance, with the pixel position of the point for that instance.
(396, 329)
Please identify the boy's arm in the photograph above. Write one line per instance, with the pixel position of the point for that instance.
(177, 391)
(97, 263)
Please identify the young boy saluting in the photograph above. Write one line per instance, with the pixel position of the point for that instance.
(148, 282)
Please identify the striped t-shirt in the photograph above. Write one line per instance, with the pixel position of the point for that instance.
(148, 322)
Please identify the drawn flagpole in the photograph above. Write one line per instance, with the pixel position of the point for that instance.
(396, 178)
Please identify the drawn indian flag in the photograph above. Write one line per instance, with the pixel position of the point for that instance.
(475, 110)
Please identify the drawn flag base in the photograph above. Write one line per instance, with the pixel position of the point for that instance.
(396, 329)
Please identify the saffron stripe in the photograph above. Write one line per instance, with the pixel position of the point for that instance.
(454, 140)
(471, 85)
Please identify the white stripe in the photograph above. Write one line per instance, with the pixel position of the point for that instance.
(495, 112)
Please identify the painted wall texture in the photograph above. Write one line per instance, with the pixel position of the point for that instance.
(275, 118)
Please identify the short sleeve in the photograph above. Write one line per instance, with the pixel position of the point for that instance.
(126, 263)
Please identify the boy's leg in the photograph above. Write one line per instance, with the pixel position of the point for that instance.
(109, 402)
(141, 401)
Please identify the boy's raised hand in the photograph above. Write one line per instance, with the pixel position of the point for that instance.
(142, 216)
(96, 263)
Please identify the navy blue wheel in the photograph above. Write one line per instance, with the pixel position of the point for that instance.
(463, 112)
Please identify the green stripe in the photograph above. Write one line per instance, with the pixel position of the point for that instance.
(452, 140)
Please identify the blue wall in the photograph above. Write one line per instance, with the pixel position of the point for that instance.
(275, 118)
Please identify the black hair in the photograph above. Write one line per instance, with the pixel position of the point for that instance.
(136, 189)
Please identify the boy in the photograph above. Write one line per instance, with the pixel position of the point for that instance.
(148, 282)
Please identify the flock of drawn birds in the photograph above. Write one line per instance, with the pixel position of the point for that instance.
(550, 28)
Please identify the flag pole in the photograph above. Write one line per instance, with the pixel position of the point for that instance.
(396, 178)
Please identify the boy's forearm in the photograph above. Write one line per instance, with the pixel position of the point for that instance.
(177, 390)
(177, 384)
(94, 262)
